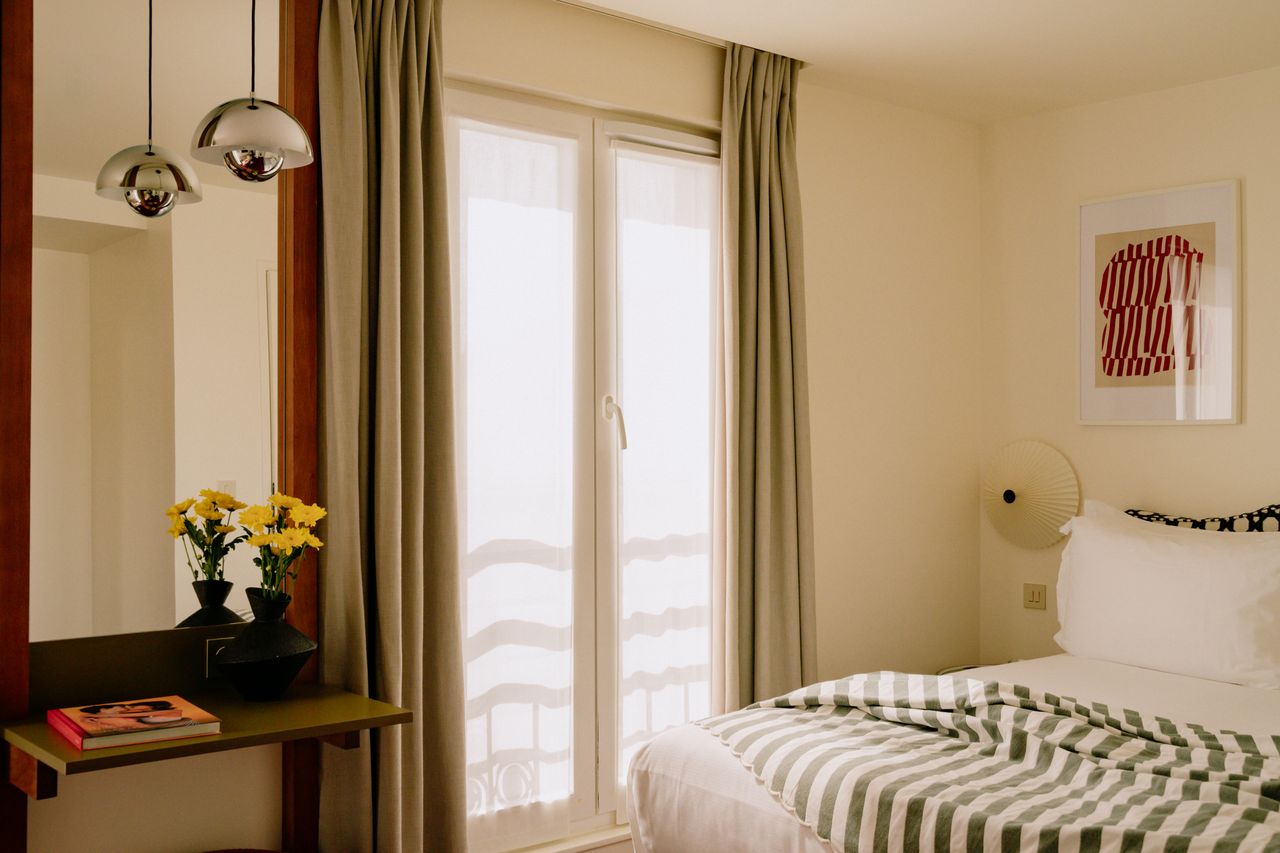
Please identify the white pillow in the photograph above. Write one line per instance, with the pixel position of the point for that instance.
(1098, 509)
(1106, 512)
(1206, 605)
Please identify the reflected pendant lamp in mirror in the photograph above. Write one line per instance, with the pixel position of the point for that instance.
(150, 179)
(252, 137)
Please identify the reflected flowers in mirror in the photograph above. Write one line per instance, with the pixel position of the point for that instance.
(206, 530)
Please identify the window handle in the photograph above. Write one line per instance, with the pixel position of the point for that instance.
(610, 408)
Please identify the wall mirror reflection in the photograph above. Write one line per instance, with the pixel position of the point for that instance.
(153, 339)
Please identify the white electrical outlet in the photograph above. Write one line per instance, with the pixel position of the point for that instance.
(228, 486)
(1033, 596)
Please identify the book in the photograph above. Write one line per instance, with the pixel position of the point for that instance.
(131, 722)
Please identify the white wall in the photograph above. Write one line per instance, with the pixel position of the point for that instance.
(102, 416)
(890, 199)
(222, 248)
(61, 503)
(545, 47)
(131, 394)
(186, 805)
(1036, 171)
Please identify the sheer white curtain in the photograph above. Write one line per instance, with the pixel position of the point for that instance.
(585, 568)
(667, 221)
(516, 195)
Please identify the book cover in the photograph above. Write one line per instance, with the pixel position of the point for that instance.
(132, 721)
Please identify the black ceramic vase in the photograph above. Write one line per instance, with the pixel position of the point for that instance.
(262, 662)
(213, 609)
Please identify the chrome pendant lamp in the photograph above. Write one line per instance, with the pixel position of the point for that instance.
(252, 137)
(150, 179)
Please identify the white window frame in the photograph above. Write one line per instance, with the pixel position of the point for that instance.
(597, 801)
(610, 136)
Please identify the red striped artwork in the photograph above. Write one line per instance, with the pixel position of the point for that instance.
(1149, 296)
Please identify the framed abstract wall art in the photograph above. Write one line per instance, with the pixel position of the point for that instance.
(1160, 307)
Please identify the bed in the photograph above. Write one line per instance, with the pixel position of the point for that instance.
(688, 790)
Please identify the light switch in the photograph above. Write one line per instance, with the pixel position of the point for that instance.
(1033, 596)
(211, 649)
(227, 486)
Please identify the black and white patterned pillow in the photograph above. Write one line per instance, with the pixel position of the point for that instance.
(1266, 519)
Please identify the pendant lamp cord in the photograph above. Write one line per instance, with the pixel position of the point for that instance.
(253, 49)
(150, 59)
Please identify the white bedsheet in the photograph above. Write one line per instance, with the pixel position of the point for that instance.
(688, 793)
(1189, 700)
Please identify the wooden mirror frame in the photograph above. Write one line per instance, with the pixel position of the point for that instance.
(299, 259)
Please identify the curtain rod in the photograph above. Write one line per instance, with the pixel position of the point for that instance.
(634, 19)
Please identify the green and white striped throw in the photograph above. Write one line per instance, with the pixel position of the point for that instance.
(887, 761)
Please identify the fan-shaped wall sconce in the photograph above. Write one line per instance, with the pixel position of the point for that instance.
(1030, 491)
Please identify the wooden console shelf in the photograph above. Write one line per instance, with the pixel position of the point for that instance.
(37, 754)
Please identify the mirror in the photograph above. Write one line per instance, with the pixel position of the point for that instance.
(153, 340)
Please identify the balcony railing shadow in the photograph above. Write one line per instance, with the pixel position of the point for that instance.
(510, 777)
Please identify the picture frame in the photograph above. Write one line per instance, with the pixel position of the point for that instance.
(1159, 307)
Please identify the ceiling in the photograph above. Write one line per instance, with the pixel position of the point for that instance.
(990, 59)
(90, 67)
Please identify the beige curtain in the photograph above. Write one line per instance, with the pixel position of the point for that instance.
(389, 578)
(763, 614)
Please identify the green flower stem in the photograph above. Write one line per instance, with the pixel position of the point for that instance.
(208, 547)
(187, 552)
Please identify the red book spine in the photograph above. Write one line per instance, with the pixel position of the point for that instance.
(63, 725)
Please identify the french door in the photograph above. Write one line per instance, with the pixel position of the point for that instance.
(585, 256)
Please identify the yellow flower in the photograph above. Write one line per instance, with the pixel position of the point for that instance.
(221, 499)
(313, 541)
(307, 516)
(178, 528)
(257, 517)
(282, 500)
(179, 508)
(275, 541)
(206, 509)
(225, 528)
(293, 537)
